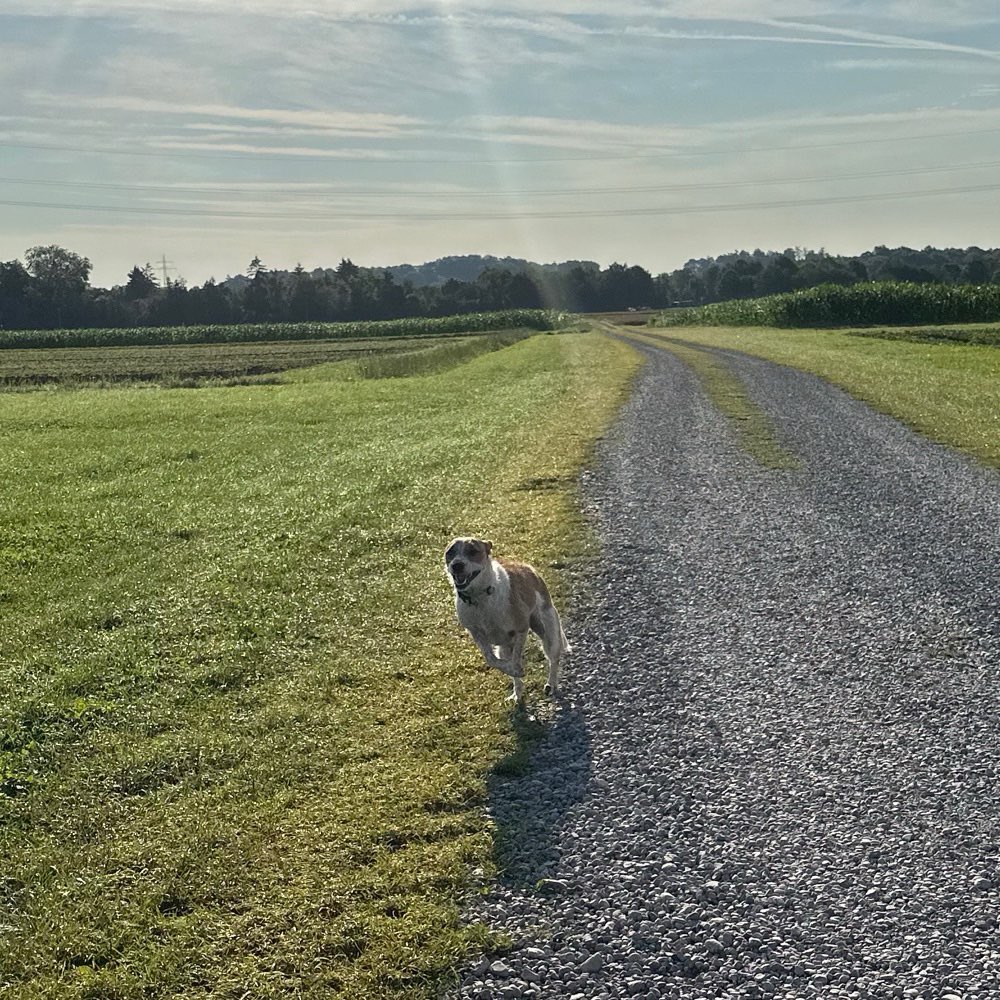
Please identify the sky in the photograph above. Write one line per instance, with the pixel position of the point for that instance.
(197, 134)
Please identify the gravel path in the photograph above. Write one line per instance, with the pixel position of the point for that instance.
(777, 770)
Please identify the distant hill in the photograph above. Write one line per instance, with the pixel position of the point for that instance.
(437, 272)
(469, 267)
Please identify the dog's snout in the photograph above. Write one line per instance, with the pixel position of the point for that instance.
(457, 566)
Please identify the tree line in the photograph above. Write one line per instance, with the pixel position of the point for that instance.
(51, 288)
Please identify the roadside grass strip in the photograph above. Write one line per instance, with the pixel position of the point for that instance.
(949, 392)
(754, 430)
(244, 746)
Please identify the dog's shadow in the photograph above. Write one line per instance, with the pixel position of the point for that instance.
(532, 790)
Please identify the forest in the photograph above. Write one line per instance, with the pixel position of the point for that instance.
(50, 288)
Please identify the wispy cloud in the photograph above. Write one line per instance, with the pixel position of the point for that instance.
(334, 122)
(904, 64)
(766, 131)
(879, 40)
(270, 152)
(578, 134)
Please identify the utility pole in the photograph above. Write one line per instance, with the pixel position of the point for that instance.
(166, 265)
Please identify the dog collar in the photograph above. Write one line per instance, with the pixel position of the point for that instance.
(463, 596)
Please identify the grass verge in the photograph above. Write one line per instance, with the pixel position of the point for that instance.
(244, 745)
(948, 392)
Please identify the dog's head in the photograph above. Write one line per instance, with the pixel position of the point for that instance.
(465, 559)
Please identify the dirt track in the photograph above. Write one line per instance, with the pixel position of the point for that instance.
(777, 773)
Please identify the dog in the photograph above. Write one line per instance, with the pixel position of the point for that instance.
(498, 601)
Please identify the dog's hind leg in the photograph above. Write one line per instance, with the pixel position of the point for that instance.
(555, 645)
(517, 695)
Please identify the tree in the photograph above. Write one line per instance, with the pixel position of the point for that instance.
(975, 272)
(213, 303)
(303, 301)
(347, 270)
(14, 284)
(61, 278)
(255, 267)
(730, 285)
(141, 283)
(263, 299)
(778, 275)
(58, 269)
(580, 289)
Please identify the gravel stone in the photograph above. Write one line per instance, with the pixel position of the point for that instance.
(775, 770)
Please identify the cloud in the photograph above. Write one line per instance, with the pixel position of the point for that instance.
(854, 36)
(904, 64)
(269, 152)
(929, 12)
(574, 133)
(596, 139)
(335, 123)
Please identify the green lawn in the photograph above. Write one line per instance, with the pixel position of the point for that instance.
(946, 391)
(243, 743)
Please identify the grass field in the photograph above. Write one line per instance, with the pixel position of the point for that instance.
(196, 365)
(177, 365)
(946, 391)
(243, 744)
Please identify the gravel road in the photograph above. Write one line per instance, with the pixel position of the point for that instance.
(776, 772)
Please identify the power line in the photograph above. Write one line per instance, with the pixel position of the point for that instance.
(497, 193)
(501, 216)
(349, 155)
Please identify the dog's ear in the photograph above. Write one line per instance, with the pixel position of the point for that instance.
(488, 546)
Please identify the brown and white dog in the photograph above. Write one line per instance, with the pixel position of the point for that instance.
(499, 601)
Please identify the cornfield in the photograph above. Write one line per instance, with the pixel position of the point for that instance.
(890, 303)
(535, 319)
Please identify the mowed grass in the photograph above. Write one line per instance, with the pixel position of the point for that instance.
(946, 391)
(243, 743)
(192, 365)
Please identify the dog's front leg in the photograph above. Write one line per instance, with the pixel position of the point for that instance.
(504, 666)
(517, 667)
(513, 667)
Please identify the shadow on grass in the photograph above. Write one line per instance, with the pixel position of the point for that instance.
(533, 788)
